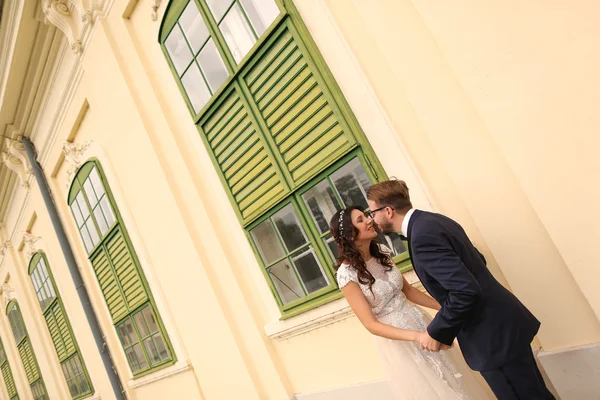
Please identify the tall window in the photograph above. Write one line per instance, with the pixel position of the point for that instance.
(286, 145)
(117, 268)
(7, 375)
(58, 324)
(32, 370)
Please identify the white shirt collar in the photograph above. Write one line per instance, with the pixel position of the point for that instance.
(405, 221)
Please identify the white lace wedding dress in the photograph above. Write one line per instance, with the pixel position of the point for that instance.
(413, 374)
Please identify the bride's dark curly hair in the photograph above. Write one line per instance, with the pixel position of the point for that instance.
(345, 233)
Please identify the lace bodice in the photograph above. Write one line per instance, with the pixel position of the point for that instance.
(387, 295)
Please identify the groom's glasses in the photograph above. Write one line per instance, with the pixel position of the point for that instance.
(371, 214)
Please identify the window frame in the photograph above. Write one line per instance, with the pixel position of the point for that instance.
(331, 292)
(173, 13)
(4, 363)
(33, 265)
(79, 178)
(13, 307)
(361, 148)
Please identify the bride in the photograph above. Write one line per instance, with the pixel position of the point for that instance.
(384, 302)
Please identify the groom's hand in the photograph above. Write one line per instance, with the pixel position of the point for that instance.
(428, 343)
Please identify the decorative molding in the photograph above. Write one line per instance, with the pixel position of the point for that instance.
(15, 158)
(7, 293)
(29, 244)
(89, 10)
(73, 155)
(323, 316)
(176, 369)
(59, 14)
(155, 5)
(7, 244)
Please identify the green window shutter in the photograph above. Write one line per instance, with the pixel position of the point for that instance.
(119, 278)
(242, 156)
(297, 108)
(29, 362)
(127, 273)
(9, 381)
(60, 332)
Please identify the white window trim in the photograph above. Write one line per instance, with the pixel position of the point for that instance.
(320, 317)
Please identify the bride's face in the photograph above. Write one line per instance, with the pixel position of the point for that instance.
(364, 225)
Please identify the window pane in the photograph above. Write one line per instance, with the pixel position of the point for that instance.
(332, 246)
(82, 206)
(141, 325)
(150, 321)
(136, 358)
(195, 87)
(100, 219)
(193, 26)
(212, 65)
(237, 33)
(152, 351)
(89, 191)
(322, 204)
(310, 271)
(394, 242)
(126, 334)
(96, 183)
(108, 212)
(77, 213)
(289, 228)
(261, 13)
(267, 242)
(160, 345)
(178, 50)
(93, 232)
(352, 182)
(285, 281)
(218, 7)
(87, 241)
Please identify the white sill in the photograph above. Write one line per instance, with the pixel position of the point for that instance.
(177, 368)
(327, 314)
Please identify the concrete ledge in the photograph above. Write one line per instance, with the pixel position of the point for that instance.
(574, 372)
(367, 391)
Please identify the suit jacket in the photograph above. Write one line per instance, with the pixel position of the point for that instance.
(491, 324)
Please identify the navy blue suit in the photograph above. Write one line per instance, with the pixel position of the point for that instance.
(494, 329)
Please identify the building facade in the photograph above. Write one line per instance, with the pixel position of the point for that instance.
(170, 167)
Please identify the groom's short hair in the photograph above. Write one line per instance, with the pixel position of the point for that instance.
(393, 193)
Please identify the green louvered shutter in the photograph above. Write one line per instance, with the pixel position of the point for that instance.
(9, 381)
(114, 264)
(60, 332)
(242, 156)
(29, 362)
(127, 273)
(296, 106)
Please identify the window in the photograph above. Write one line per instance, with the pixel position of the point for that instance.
(204, 47)
(288, 149)
(294, 242)
(58, 324)
(32, 371)
(7, 375)
(121, 279)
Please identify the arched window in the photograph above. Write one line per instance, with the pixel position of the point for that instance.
(7, 375)
(32, 370)
(280, 134)
(117, 268)
(57, 321)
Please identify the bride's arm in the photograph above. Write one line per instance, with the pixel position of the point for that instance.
(416, 296)
(363, 311)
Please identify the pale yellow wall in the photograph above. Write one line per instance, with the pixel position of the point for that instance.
(438, 105)
(454, 150)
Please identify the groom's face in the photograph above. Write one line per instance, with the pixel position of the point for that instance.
(382, 216)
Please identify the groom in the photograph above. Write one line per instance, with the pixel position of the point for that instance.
(493, 327)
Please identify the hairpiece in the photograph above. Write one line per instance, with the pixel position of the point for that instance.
(341, 223)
